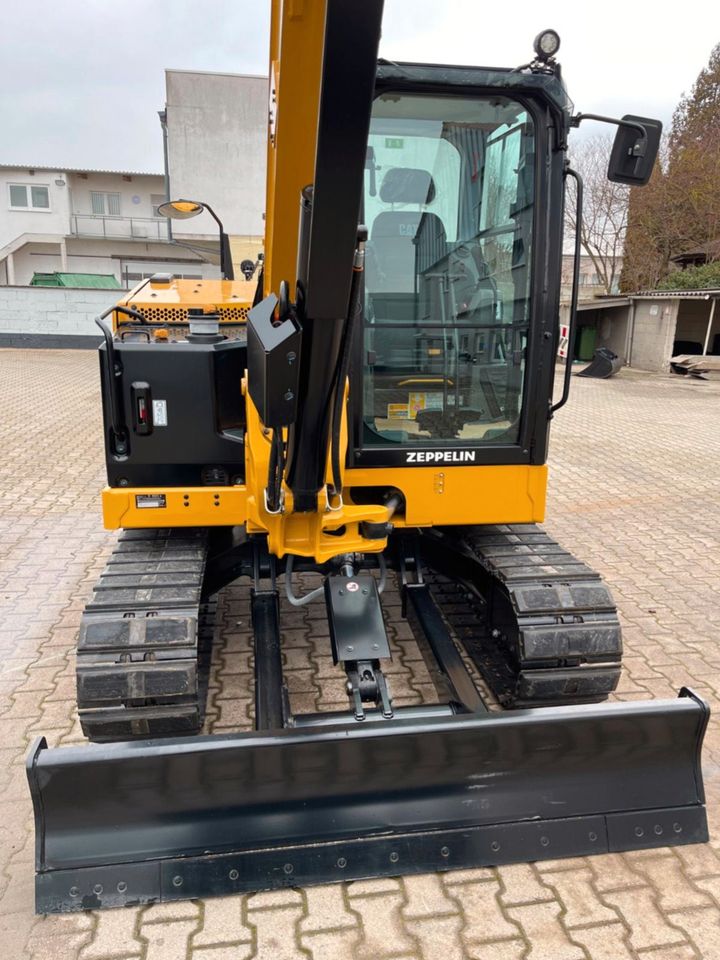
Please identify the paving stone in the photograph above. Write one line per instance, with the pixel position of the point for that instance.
(485, 918)
(115, 935)
(168, 941)
(276, 932)
(615, 498)
(327, 909)
(702, 928)
(541, 927)
(328, 944)
(222, 923)
(648, 926)
(426, 896)
(575, 891)
(606, 941)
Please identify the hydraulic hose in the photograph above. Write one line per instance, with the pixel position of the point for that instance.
(355, 307)
(298, 601)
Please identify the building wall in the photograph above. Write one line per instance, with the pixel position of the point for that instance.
(15, 222)
(117, 258)
(52, 310)
(135, 192)
(612, 328)
(653, 334)
(216, 143)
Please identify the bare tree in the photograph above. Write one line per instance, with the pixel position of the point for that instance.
(605, 210)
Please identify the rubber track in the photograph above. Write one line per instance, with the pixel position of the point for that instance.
(540, 625)
(145, 638)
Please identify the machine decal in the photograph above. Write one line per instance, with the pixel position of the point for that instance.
(440, 456)
(160, 413)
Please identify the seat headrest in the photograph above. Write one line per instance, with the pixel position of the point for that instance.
(407, 185)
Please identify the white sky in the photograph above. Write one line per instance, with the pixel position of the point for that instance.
(81, 81)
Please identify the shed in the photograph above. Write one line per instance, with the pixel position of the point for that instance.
(648, 328)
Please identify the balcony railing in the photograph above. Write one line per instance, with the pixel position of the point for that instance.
(118, 228)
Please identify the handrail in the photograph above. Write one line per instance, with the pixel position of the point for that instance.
(569, 172)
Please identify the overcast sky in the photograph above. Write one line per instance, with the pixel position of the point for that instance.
(81, 81)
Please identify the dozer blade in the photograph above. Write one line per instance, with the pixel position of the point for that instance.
(162, 820)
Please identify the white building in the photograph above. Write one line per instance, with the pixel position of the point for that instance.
(86, 222)
(215, 129)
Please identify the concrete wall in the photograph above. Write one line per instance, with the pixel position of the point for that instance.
(107, 256)
(52, 311)
(216, 145)
(612, 328)
(653, 334)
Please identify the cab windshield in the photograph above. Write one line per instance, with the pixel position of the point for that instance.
(448, 202)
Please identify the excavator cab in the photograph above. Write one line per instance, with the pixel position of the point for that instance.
(449, 263)
(377, 415)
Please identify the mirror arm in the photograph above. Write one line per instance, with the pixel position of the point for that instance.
(226, 264)
(569, 172)
(642, 131)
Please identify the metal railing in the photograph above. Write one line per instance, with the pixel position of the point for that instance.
(125, 228)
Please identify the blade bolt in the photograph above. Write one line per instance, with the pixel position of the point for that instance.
(444, 851)
(639, 832)
(74, 892)
(121, 887)
(544, 841)
(592, 837)
(342, 862)
(234, 874)
(394, 857)
(658, 830)
(177, 881)
(288, 868)
(494, 846)
(677, 828)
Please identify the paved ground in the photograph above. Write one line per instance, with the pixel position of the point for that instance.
(634, 491)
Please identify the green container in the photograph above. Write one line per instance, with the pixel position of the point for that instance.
(586, 343)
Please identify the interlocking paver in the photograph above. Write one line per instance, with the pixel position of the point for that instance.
(634, 492)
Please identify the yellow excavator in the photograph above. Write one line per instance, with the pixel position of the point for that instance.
(375, 410)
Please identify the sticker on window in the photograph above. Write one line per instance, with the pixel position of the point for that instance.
(398, 411)
(424, 401)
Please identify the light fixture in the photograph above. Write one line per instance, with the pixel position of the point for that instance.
(184, 210)
(546, 44)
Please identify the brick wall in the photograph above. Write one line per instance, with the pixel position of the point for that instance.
(56, 311)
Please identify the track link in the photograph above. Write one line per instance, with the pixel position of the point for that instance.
(145, 637)
(540, 625)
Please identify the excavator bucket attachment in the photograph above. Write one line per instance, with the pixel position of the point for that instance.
(163, 820)
(603, 365)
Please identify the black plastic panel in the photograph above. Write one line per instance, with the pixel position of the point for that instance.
(195, 423)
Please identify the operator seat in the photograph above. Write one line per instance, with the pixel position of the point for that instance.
(398, 236)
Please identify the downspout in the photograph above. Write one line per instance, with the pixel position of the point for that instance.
(162, 114)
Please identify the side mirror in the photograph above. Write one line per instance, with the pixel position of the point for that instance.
(634, 152)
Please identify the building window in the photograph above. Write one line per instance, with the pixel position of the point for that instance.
(156, 199)
(105, 204)
(26, 196)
